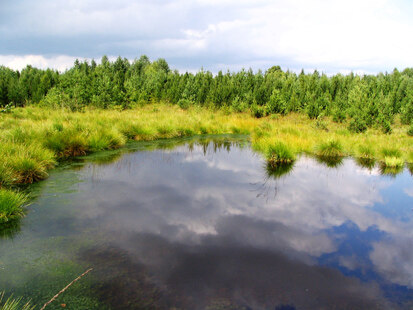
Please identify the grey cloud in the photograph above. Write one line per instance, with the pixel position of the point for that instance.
(193, 34)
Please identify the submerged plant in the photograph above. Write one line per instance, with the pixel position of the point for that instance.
(11, 205)
(279, 153)
(14, 304)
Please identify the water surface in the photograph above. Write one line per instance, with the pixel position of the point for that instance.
(200, 224)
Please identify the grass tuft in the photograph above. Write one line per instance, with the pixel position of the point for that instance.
(11, 205)
(393, 162)
(279, 153)
(366, 152)
(6, 176)
(391, 152)
(331, 148)
(27, 170)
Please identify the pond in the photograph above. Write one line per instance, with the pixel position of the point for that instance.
(202, 223)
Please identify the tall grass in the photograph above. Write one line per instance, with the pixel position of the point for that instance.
(331, 148)
(394, 162)
(11, 205)
(392, 158)
(32, 139)
(279, 153)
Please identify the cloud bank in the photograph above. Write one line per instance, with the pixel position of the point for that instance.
(332, 36)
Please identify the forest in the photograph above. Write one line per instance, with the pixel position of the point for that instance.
(366, 101)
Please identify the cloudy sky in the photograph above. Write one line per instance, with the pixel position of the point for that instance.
(328, 35)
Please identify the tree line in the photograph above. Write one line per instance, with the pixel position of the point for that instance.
(368, 100)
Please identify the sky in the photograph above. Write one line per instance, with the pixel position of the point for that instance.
(366, 36)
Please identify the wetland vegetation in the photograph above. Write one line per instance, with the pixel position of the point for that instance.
(46, 115)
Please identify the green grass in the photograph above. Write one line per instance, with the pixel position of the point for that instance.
(279, 153)
(14, 304)
(6, 176)
(32, 139)
(393, 162)
(331, 148)
(11, 205)
(391, 152)
(366, 152)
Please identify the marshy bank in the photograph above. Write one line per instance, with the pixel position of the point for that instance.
(207, 223)
(33, 140)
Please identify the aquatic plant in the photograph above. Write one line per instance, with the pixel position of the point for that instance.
(11, 205)
(331, 148)
(279, 153)
(14, 304)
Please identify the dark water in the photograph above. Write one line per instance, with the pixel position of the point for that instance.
(195, 224)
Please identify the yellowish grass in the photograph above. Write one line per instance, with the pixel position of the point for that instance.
(54, 133)
(32, 138)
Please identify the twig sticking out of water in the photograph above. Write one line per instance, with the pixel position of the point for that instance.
(67, 286)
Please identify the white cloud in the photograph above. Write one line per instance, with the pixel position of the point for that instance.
(60, 63)
(332, 36)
